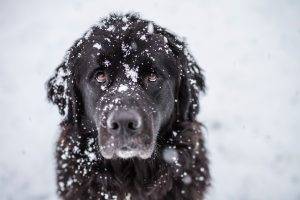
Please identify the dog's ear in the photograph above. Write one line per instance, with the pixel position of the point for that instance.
(191, 81)
(58, 91)
(61, 87)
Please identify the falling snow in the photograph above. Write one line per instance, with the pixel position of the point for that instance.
(170, 155)
(187, 179)
(250, 167)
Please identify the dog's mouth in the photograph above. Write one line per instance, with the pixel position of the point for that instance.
(126, 147)
(128, 151)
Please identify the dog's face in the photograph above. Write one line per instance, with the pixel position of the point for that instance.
(127, 88)
(129, 78)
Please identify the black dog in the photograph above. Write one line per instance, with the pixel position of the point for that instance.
(129, 92)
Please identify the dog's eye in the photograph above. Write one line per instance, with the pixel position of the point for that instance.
(101, 77)
(152, 77)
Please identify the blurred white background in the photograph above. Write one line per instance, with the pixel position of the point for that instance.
(250, 51)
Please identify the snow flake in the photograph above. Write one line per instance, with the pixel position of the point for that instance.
(61, 185)
(187, 179)
(128, 196)
(91, 141)
(124, 19)
(131, 73)
(122, 88)
(97, 46)
(116, 100)
(88, 34)
(111, 28)
(179, 46)
(107, 39)
(143, 37)
(133, 46)
(65, 154)
(192, 81)
(124, 28)
(70, 182)
(100, 25)
(103, 87)
(200, 178)
(67, 57)
(175, 133)
(150, 28)
(165, 39)
(76, 149)
(91, 155)
(126, 49)
(79, 43)
(107, 63)
(114, 197)
(108, 107)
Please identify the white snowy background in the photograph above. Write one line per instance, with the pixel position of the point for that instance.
(250, 51)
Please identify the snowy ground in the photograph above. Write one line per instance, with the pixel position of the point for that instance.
(250, 51)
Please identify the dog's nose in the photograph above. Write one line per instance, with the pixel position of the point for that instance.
(124, 122)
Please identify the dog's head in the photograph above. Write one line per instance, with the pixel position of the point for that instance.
(129, 79)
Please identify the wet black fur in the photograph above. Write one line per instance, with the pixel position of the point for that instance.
(80, 178)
